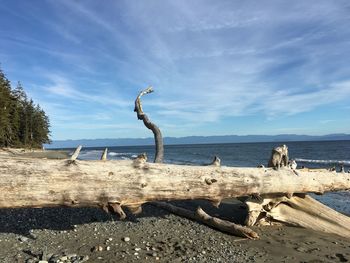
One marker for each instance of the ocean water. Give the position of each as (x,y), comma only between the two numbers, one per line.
(323,154)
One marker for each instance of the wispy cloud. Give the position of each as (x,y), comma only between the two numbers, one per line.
(286,103)
(63,87)
(210,63)
(327,121)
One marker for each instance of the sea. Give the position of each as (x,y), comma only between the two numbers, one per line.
(311,154)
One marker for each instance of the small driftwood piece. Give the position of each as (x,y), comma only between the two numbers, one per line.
(74,156)
(214,222)
(104,155)
(216,161)
(114,208)
(76,153)
(150,125)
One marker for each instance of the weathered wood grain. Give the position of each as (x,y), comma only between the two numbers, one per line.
(41,183)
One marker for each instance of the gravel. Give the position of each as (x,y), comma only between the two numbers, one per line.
(78,235)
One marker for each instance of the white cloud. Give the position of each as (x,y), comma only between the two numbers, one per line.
(286,103)
(63,87)
(207,60)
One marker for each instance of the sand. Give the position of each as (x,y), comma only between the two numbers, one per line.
(156,236)
(34,153)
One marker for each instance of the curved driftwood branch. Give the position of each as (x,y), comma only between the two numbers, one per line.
(150,125)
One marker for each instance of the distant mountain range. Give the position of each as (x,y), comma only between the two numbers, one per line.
(197,140)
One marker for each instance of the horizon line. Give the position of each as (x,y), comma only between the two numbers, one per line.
(187,136)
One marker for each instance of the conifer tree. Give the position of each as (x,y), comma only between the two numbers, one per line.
(16,111)
(22,122)
(5,102)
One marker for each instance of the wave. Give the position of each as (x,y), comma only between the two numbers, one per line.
(96,155)
(119,154)
(345,162)
(90,155)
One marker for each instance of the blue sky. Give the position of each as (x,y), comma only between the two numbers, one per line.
(217,67)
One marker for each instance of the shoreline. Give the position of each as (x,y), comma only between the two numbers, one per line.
(151,143)
(34,153)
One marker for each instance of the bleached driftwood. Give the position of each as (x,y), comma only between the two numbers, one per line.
(104,155)
(39,182)
(158,139)
(299,210)
(203,217)
(76,153)
(111,185)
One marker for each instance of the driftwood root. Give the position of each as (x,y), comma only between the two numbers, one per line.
(298,210)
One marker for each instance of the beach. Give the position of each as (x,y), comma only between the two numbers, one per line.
(34,153)
(90,235)
(30,235)
(238,108)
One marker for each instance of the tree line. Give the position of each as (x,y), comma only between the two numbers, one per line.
(22,122)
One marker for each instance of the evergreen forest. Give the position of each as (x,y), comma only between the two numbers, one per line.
(22,122)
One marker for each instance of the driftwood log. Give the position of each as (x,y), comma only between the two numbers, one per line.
(111,185)
(115,184)
(28,182)
(203,217)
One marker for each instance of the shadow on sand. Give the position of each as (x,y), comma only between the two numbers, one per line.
(21,221)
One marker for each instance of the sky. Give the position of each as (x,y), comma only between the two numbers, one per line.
(217,67)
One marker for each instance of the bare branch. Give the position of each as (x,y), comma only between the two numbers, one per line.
(154,128)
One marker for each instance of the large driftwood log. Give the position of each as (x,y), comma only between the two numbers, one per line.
(39,183)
